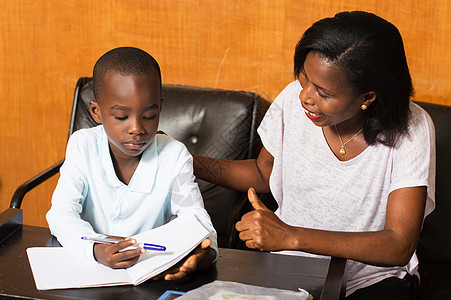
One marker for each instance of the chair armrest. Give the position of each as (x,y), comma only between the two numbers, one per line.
(10,220)
(20,192)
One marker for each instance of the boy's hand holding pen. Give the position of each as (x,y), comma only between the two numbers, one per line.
(119,253)
(114,240)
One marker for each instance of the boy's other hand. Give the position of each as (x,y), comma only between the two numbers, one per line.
(111,255)
(199,259)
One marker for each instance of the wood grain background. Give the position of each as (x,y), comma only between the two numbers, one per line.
(46,45)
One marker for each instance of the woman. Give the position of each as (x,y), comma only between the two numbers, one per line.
(348,157)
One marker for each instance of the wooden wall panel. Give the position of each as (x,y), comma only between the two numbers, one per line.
(248,45)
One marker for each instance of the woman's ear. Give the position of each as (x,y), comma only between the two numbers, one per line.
(368,98)
(94,109)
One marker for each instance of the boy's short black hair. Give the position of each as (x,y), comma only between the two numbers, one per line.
(125,61)
(370,50)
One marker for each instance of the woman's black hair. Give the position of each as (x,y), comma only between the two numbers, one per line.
(370,51)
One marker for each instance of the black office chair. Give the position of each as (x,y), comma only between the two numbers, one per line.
(211,122)
(434,246)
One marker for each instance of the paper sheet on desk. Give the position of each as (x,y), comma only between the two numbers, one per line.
(219,290)
(58,268)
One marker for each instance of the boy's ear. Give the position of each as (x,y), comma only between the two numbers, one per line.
(161,103)
(94,109)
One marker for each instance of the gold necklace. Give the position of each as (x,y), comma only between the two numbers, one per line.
(342,150)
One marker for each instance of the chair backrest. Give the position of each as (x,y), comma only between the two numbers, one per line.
(211,122)
(435,241)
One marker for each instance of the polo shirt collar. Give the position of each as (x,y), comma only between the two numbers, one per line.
(143,179)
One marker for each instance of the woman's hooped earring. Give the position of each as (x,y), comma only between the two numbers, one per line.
(363,107)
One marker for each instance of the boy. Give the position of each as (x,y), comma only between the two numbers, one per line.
(122,178)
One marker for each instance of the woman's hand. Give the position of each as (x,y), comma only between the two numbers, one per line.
(199,259)
(111,255)
(261,229)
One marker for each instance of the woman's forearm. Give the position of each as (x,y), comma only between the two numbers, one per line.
(261,229)
(394,245)
(238,175)
(381,248)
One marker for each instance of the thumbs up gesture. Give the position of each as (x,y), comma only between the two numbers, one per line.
(261,229)
(255,201)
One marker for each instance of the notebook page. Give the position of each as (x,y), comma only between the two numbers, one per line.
(180,236)
(58,268)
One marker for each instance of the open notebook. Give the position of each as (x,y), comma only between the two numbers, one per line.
(58,268)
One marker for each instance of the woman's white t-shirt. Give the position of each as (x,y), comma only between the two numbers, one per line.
(314,189)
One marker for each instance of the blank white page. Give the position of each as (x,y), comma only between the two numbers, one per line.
(58,268)
(180,236)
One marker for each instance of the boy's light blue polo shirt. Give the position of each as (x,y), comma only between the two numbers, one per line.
(90,200)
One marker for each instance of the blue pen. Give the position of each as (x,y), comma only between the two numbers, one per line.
(154,247)
(106,240)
